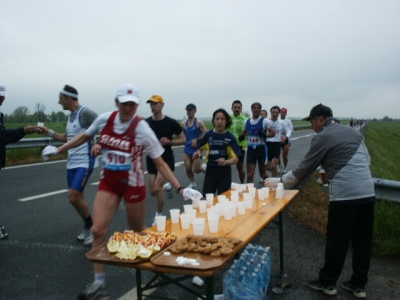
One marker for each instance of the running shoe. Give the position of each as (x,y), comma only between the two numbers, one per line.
(82,236)
(284,171)
(192,185)
(88,238)
(168,188)
(359,292)
(328,289)
(1,228)
(3,235)
(94,291)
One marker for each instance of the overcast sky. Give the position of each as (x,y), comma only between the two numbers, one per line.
(294,54)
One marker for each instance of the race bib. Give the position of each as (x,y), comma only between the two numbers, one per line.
(117,160)
(254,141)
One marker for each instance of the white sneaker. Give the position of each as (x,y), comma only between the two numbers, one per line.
(192,185)
(204,167)
(82,236)
(88,239)
(168,188)
(284,171)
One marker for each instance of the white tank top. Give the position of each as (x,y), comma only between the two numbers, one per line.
(79,157)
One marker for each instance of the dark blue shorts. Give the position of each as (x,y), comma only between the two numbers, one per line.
(78,177)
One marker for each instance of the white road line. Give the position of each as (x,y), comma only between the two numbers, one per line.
(42,195)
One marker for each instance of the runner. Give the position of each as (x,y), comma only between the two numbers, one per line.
(274,143)
(165,128)
(80,163)
(222,151)
(237,127)
(287,143)
(255,130)
(194,130)
(124,137)
(264,114)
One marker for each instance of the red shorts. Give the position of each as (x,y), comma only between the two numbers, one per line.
(116,182)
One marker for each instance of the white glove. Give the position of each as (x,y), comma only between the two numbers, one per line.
(272,182)
(191,194)
(49,150)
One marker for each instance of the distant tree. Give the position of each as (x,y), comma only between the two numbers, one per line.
(20,115)
(39,114)
(246,114)
(387,119)
(61,116)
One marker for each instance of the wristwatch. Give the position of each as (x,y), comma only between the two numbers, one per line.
(179,189)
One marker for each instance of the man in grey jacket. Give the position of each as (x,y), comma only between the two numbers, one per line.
(342,153)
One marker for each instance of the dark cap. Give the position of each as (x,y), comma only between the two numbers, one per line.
(190,106)
(319,110)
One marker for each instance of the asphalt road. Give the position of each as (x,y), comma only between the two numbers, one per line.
(41,259)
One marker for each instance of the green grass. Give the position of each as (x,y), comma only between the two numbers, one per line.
(383,143)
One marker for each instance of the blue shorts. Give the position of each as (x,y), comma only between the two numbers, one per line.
(78,177)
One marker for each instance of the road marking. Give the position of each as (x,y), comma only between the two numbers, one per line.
(42,195)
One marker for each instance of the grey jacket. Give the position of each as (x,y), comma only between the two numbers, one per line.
(341,151)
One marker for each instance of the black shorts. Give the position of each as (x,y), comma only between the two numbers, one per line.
(274,150)
(241,157)
(285,143)
(256,155)
(168,158)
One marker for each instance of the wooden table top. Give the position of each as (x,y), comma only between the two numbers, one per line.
(244,227)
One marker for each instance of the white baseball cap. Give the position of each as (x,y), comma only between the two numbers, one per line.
(128,92)
(3,91)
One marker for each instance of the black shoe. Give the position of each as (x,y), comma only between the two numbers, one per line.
(359,292)
(328,289)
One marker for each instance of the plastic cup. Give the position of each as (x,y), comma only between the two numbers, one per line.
(227,212)
(266,192)
(203,206)
(210,199)
(213,221)
(187,207)
(175,215)
(252,192)
(222,198)
(198,226)
(233,208)
(250,185)
(195,202)
(261,194)
(185,221)
(249,202)
(161,220)
(234,193)
(241,208)
(234,198)
(212,210)
(192,214)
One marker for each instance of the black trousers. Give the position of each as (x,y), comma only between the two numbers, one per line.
(217,180)
(345,223)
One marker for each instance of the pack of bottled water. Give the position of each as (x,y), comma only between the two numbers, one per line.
(249,276)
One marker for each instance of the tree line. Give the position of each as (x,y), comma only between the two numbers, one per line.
(23,115)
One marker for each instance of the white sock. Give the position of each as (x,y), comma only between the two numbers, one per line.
(100,278)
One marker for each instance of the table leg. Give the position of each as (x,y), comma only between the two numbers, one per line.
(281,242)
(139,284)
(210,288)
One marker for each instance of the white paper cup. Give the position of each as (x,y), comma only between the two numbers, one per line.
(161,220)
(185,221)
(210,199)
(192,213)
(261,194)
(212,210)
(234,198)
(175,215)
(252,192)
(187,207)
(249,202)
(250,185)
(234,193)
(222,198)
(198,226)
(213,221)
(203,206)
(241,208)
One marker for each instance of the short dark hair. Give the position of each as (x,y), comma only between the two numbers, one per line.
(275,107)
(226,115)
(256,103)
(237,102)
(319,110)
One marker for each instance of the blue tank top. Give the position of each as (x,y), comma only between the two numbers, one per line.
(254,133)
(191,133)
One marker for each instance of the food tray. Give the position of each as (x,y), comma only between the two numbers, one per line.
(205,261)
